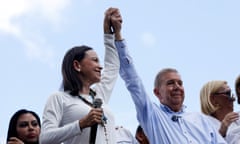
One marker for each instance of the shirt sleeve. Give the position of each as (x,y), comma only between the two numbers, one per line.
(51,132)
(133,83)
(110,71)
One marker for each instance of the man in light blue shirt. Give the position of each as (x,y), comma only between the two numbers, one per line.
(167,123)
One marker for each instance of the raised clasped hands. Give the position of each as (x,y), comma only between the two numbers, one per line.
(113,22)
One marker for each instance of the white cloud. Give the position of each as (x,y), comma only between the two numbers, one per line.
(51,9)
(9,10)
(12,13)
(38,50)
(148,39)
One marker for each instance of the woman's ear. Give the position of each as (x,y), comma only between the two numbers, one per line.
(76,65)
(213,100)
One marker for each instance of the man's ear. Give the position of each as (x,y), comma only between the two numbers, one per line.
(76,65)
(156,91)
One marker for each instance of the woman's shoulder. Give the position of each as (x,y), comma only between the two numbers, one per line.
(59,95)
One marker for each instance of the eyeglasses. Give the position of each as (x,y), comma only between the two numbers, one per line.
(226,93)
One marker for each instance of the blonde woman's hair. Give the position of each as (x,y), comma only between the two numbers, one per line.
(207,90)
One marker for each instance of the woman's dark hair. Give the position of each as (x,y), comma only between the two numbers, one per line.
(12,129)
(71,81)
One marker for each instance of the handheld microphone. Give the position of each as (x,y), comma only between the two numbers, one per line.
(97,103)
(175,118)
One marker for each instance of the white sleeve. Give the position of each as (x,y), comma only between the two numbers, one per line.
(51,132)
(110,71)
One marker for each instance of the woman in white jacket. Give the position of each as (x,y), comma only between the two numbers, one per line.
(69,115)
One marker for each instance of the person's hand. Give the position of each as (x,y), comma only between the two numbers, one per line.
(14,140)
(227,120)
(93,117)
(107,26)
(116,20)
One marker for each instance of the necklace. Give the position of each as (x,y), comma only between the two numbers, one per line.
(104,119)
(86,101)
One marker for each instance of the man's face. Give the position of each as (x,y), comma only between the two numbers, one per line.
(171,91)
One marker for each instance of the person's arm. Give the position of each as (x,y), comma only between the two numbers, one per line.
(111,60)
(51,132)
(226,122)
(128,73)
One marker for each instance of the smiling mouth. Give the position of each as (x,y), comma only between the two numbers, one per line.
(99,73)
(176,94)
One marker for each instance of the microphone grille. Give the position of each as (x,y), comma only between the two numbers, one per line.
(97,103)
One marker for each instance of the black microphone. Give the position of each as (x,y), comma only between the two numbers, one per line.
(175,118)
(97,103)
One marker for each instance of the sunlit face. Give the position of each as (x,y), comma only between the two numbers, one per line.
(171,91)
(90,68)
(28,128)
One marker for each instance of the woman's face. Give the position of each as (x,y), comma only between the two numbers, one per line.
(90,68)
(223,98)
(28,128)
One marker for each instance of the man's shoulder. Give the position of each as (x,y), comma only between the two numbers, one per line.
(196,117)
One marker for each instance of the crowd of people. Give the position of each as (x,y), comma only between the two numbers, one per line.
(79,113)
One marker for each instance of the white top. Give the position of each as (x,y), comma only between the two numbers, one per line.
(124,136)
(233,132)
(62,111)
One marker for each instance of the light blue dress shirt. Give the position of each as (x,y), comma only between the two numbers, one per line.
(160,123)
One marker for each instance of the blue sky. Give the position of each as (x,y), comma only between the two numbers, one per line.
(200,38)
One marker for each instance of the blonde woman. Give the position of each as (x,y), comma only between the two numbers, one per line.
(217,102)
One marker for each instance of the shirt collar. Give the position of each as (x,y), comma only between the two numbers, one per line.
(168,110)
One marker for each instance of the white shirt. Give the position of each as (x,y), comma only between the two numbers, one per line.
(62,111)
(233,132)
(124,136)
